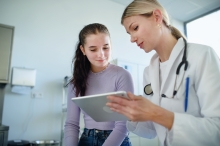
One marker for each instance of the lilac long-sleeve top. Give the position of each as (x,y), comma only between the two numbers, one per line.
(113,78)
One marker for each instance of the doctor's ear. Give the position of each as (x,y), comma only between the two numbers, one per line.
(82,49)
(158,17)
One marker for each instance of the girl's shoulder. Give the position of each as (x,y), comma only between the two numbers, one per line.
(118,69)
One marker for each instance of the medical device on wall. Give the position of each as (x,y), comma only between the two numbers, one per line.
(66,82)
(23,79)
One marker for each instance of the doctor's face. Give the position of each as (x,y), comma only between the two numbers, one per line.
(97,49)
(144,31)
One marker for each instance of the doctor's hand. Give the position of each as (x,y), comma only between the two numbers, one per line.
(138,108)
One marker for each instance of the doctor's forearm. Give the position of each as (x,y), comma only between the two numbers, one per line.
(163,117)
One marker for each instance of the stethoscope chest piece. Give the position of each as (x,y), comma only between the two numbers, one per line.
(148,90)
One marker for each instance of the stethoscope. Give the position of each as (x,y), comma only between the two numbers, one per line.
(148,90)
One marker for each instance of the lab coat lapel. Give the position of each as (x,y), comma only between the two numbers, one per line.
(168,83)
(154,78)
(155,85)
(170,73)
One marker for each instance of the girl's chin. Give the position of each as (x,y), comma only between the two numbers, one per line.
(102,64)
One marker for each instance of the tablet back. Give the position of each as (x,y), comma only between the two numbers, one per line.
(95,106)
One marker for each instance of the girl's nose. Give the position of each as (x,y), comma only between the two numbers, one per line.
(101,52)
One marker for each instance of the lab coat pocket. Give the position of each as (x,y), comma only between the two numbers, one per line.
(177,104)
(172,104)
(193,106)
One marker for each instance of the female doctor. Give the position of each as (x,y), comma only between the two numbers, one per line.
(181,103)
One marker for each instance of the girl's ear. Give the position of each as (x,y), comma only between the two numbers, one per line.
(82,49)
(158,16)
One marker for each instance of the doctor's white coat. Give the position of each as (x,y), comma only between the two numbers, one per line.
(200,125)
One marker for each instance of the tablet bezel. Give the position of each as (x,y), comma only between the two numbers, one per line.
(98,101)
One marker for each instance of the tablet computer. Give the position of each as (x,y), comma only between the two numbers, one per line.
(95,106)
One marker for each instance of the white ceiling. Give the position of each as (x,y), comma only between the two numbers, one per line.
(184,10)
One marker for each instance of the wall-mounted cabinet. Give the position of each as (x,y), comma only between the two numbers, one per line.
(6,41)
(4,135)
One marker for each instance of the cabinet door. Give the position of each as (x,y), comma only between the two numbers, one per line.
(6,37)
(1,138)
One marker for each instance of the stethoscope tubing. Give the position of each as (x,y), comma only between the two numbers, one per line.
(183,62)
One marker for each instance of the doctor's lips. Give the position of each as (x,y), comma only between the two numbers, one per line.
(140,45)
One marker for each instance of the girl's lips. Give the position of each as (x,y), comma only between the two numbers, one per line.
(100,60)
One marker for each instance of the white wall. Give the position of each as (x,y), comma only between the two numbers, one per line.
(45,35)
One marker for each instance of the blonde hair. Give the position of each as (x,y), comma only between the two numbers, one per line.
(146,8)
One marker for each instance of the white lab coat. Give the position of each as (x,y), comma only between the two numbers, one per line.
(200,125)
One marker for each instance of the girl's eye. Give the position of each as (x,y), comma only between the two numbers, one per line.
(105,48)
(92,50)
(136,28)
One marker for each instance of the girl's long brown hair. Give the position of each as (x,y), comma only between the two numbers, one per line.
(81,63)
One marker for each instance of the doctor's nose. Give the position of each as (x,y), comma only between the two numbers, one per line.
(133,39)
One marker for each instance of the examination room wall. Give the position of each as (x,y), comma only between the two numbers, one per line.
(46,32)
